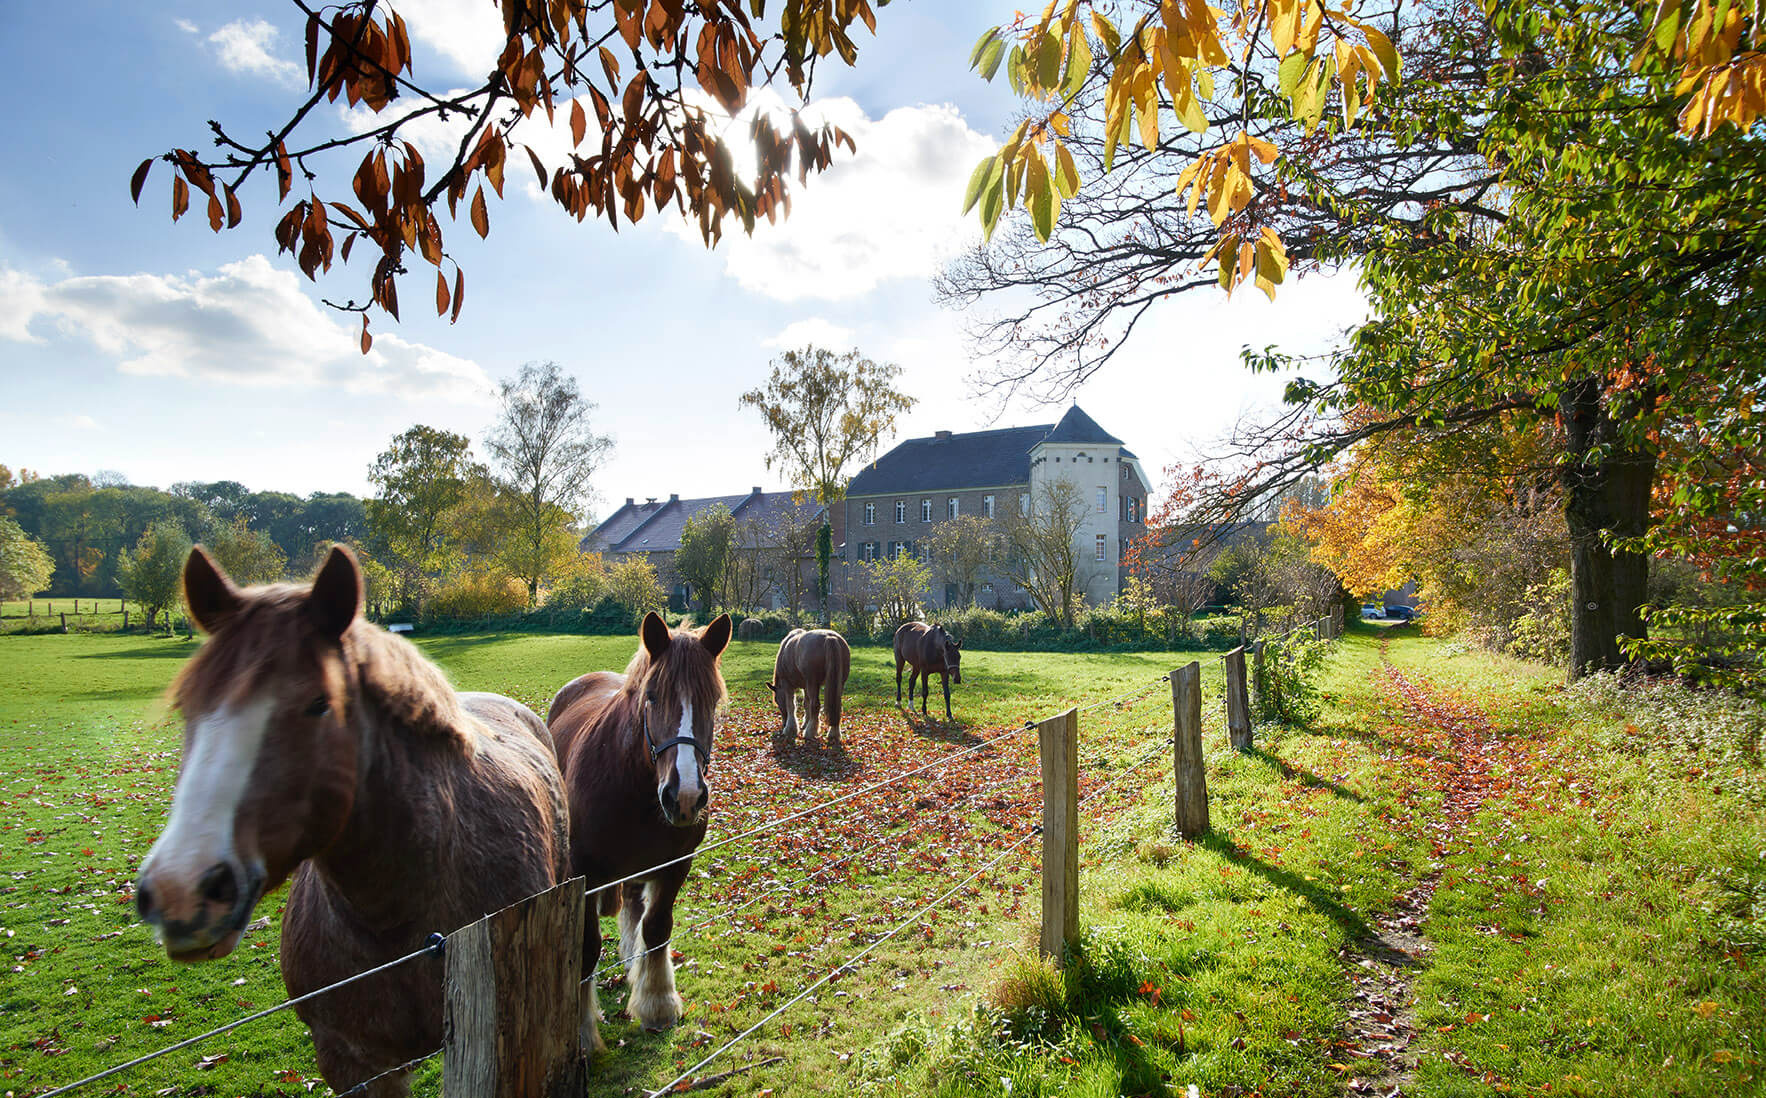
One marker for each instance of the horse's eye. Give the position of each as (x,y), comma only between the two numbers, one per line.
(318,707)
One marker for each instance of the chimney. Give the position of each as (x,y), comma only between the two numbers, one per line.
(942,436)
(628,501)
(674,497)
(755,490)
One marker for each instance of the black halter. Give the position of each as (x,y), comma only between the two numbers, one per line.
(657,749)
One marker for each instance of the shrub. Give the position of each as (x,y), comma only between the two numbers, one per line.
(581,588)
(468,595)
(1543,632)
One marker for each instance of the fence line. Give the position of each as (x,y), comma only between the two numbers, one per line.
(434,945)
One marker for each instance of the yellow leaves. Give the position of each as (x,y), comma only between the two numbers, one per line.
(1223,176)
(1726,79)
(1705,1009)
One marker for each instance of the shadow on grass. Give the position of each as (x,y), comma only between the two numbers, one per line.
(1322,901)
(181,649)
(1305,777)
(816,760)
(955,733)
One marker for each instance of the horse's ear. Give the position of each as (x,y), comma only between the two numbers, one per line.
(955,643)
(336,598)
(654,631)
(209,595)
(716,636)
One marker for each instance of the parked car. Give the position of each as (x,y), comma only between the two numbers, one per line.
(1400,613)
(1370,611)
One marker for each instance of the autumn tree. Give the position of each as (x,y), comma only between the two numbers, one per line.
(751,569)
(960,550)
(632,583)
(152,574)
(825,412)
(422,478)
(900,585)
(25,566)
(645,92)
(544,452)
(246,554)
(704,554)
(790,540)
(1042,548)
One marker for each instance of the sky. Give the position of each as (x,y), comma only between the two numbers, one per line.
(166,352)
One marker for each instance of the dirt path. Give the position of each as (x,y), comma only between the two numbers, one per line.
(1381,966)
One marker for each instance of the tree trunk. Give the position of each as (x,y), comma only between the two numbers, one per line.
(824,550)
(1606,495)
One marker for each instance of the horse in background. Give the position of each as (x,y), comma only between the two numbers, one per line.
(320,746)
(927,650)
(815,661)
(636,749)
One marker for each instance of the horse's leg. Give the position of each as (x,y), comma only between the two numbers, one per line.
(631,912)
(655,1003)
(588,1030)
(834,685)
(786,700)
(898,662)
(812,698)
(948,719)
(925,690)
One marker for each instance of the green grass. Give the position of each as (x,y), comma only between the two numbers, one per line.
(1599,929)
(88,756)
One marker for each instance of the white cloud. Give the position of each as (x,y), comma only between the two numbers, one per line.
(21,297)
(893,210)
(822,333)
(244,46)
(84,423)
(185,25)
(467,33)
(247,324)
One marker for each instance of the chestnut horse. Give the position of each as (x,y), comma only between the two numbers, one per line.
(318,745)
(636,749)
(927,650)
(813,661)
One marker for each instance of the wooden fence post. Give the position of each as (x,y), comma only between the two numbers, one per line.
(125,617)
(1058,738)
(64,621)
(1238,701)
(1186,751)
(513,1000)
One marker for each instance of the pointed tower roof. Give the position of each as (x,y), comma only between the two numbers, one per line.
(1076,426)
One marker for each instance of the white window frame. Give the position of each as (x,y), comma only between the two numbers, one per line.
(1103,547)
(952,508)
(926,510)
(987,506)
(870,514)
(901,511)
(1103,501)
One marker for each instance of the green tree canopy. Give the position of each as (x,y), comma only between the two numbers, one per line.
(25,566)
(152,574)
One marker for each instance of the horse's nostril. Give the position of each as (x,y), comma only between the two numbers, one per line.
(219,885)
(704,796)
(143,900)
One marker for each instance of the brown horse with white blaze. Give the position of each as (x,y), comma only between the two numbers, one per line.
(320,747)
(636,750)
(927,650)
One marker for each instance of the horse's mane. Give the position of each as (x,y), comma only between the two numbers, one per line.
(685,668)
(271,633)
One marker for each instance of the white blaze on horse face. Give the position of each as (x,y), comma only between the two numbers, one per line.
(211,783)
(687,764)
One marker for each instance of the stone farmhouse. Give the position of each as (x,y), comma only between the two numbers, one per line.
(895,502)
(652,529)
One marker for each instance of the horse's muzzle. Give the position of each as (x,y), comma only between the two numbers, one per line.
(683,811)
(204,923)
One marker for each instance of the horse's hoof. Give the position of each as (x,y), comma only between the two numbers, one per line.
(834,742)
(658,1016)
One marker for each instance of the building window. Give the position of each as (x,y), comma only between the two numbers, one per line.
(870,514)
(950,507)
(1133,509)
(1125,472)
(1101,547)
(925,510)
(987,506)
(901,510)
(894,549)
(1023,503)
(1103,502)
(987,589)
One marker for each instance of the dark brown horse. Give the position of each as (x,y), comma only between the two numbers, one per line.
(318,745)
(817,662)
(927,650)
(636,748)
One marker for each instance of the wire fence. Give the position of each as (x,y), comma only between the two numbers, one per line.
(434,946)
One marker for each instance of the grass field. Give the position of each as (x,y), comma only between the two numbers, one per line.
(87,759)
(1595,921)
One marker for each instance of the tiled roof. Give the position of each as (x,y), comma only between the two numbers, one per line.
(1076,426)
(973,459)
(654,527)
(981,459)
